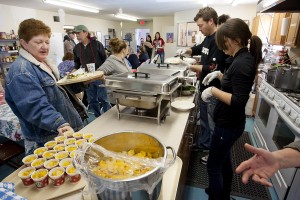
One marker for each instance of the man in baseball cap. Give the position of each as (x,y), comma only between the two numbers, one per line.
(80,28)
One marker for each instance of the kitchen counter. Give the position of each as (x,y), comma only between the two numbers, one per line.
(169,133)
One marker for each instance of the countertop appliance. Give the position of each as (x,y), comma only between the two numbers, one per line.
(277,6)
(144,95)
(277,123)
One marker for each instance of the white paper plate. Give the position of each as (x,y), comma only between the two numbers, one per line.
(182,105)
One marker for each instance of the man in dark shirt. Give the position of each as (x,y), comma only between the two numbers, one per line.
(89,50)
(211,59)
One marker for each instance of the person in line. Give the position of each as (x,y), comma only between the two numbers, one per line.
(222,19)
(232,37)
(133,59)
(264,164)
(116,63)
(69,43)
(211,59)
(143,55)
(148,46)
(43,108)
(67,64)
(89,50)
(158,45)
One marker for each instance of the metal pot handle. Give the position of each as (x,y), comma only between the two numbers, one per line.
(172,160)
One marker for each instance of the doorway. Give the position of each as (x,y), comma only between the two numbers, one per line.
(140,33)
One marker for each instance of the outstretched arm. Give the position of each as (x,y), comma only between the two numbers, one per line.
(264,164)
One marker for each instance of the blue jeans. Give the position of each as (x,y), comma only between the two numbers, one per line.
(162,56)
(206,122)
(219,165)
(95,95)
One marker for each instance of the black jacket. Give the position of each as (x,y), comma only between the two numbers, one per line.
(93,52)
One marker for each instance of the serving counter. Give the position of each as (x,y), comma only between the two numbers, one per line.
(170,133)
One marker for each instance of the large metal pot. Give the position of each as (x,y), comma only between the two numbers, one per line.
(287,78)
(125,141)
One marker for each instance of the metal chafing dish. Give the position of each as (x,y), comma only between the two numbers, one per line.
(144,95)
(179,70)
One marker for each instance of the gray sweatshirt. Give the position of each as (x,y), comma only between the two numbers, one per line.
(114,65)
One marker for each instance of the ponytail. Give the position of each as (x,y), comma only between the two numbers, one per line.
(255,49)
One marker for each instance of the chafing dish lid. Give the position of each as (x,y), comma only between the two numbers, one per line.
(139,81)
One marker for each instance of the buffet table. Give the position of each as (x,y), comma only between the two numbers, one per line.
(169,133)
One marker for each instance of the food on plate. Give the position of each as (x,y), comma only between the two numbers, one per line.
(177,60)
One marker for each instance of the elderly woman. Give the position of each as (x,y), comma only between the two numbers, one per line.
(116,63)
(42,107)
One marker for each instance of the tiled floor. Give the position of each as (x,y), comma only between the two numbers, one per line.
(190,193)
(194,193)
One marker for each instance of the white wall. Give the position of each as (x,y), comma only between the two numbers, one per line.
(164,25)
(245,12)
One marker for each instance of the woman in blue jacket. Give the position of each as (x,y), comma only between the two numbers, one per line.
(42,107)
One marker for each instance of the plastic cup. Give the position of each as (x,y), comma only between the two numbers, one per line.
(61,155)
(60,139)
(50,144)
(70,141)
(71,148)
(59,147)
(25,175)
(87,135)
(68,134)
(91,140)
(49,154)
(77,136)
(73,174)
(57,175)
(39,151)
(29,159)
(38,163)
(40,178)
(72,154)
(80,142)
(91,67)
(66,162)
(50,164)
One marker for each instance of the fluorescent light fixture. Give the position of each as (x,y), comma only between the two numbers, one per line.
(268,3)
(68,27)
(163,1)
(69,4)
(127,17)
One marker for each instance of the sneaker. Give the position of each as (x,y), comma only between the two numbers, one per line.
(204,159)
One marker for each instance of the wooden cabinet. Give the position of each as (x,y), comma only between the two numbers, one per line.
(275,37)
(255,25)
(293,36)
(186,143)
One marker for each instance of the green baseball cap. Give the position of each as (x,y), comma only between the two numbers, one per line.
(81,28)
